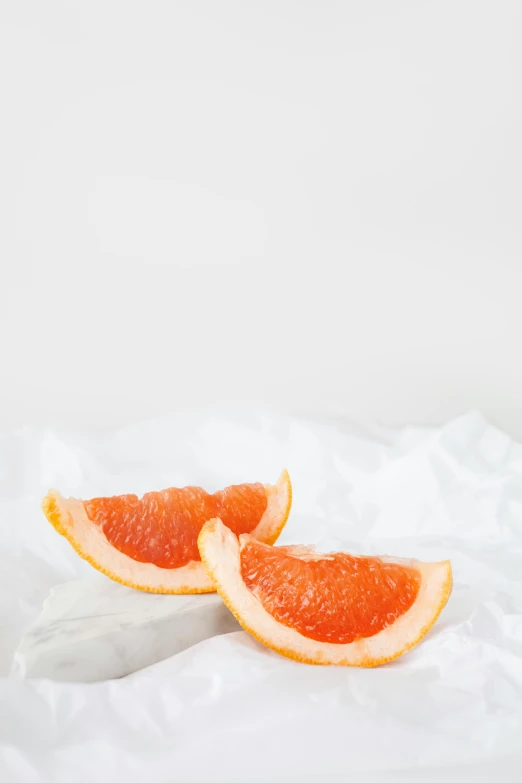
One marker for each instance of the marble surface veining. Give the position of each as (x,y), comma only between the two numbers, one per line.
(91,630)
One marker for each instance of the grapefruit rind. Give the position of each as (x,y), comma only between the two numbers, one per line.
(275,517)
(69,518)
(220,553)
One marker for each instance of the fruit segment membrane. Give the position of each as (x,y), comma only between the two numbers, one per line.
(162,527)
(336,598)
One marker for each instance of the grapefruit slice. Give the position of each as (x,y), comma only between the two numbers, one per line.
(324,609)
(151,543)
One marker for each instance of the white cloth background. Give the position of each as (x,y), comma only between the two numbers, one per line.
(228,708)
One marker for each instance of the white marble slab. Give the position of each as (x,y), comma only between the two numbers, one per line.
(93,630)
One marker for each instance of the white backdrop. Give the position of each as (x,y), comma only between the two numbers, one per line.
(313,204)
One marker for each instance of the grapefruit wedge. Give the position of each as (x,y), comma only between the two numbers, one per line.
(324,609)
(150,543)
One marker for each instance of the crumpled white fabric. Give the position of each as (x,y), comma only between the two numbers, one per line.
(228,708)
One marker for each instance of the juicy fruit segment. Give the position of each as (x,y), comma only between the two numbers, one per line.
(163,527)
(336,598)
(337,609)
(151,544)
